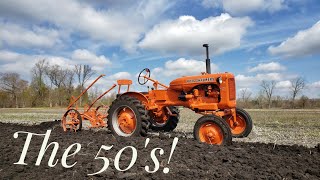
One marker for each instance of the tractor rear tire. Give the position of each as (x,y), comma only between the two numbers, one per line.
(212,129)
(170,124)
(127,116)
(244,127)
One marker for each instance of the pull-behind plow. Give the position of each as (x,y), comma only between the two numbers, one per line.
(72,119)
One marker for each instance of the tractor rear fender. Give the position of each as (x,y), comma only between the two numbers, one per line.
(137,95)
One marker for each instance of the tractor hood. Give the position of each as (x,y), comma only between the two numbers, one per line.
(186,83)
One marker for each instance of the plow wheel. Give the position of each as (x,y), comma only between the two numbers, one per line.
(242,125)
(128,117)
(170,124)
(212,130)
(72,120)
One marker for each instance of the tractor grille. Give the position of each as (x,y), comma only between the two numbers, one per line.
(232,89)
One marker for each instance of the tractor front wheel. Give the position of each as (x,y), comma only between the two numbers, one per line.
(170,124)
(212,129)
(242,125)
(72,120)
(127,116)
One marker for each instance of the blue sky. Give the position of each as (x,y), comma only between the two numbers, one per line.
(254,39)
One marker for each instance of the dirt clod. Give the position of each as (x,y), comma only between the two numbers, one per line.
(50,124)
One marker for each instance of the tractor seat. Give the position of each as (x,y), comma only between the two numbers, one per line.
(124,82)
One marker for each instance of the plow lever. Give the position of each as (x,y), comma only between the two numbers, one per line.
(71,104)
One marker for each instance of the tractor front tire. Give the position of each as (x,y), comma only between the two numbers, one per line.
(127,116)
(212,129)
(243,126)
(170,124)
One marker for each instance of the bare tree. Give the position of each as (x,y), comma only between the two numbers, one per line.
(39,70)
(12,84)
(278,101)
(83,74)
(69,78)
(259,100)
(56,75)
(38,85)
(62,79)
(297,85)
(268,89)
(245,95)
(303,101)
(68,81)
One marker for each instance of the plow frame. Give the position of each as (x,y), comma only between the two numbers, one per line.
(96,118)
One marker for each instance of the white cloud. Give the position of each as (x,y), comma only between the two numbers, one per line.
(15,62)
(249,90)
(187,34)
(182,67)
(23,63)
(120,25)
(173,69)
(108,80)
(17,36)
(8,56)
(283,84)
(58,60)
(315,85)
(244,81)
(83,56)
(240,7)
(312,90)
(247,6)
(305,42)
(272,66)
(120,75)
(270,76)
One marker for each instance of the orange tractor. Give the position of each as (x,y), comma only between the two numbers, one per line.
(212,95)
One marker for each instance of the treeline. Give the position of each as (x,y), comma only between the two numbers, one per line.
(53,86)
(261,102)
(266,97)
(50,86)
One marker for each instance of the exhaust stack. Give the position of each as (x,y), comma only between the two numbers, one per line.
(208,64)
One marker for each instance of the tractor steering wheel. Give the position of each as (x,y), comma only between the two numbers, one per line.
(144,73)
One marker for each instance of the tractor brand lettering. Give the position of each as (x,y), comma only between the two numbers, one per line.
(200,80)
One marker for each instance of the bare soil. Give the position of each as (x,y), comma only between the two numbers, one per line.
(190,160)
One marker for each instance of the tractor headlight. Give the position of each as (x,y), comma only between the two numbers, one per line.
(219,80)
